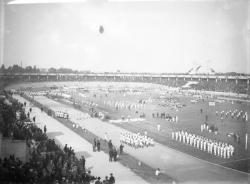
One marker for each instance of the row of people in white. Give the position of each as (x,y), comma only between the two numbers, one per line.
(166,116)
(124,105)
(91,103)
(48,92)
(136,140)
(214,147)
(236,113)
(206,127)
(36,93)
(61,114)
(173,119)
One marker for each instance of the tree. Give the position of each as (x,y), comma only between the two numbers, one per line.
(16,69)
(52,70)
(2,69)
(34,69)
(65,70)
(28,69)
(9,69)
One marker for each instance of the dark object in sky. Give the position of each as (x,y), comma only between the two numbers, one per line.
(101,29)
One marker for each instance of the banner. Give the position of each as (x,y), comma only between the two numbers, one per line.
(211,103)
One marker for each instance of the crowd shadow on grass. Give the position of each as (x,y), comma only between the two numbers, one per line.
(54,134)
(79,154)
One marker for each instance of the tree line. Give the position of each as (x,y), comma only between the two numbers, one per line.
(19,69)
(29,69)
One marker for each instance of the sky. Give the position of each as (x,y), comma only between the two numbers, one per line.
(139,36)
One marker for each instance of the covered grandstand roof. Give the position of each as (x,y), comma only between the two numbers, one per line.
(200,69)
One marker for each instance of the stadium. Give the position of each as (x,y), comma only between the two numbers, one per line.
(60,125)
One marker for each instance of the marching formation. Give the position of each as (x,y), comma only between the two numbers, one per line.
(136,140)
(234,114)
(60,93)
(166,116)
(61,114)
(36,93)
(216,148)
(124,105)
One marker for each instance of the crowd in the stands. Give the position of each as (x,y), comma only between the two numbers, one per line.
(47,163)
(223,86)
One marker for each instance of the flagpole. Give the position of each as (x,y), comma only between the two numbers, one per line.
(246,141)
(2,19)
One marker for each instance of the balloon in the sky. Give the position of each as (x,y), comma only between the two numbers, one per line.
(101,29)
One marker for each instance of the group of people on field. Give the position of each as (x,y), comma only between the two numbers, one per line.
(113,152)
(217,148)
(61,114)
(205,127)
(165,116)
(136,140)
(124,105)
(234,114)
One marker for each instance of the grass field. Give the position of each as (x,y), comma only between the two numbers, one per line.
(190,117)
(142,170)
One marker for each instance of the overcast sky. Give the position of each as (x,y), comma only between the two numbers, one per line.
(138,36)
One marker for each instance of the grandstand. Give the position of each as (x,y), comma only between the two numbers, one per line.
(206,82)
(205,70)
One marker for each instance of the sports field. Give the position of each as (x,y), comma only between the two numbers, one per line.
(159,99)
(190,119)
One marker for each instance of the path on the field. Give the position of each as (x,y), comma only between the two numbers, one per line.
(98,162)
(179,166)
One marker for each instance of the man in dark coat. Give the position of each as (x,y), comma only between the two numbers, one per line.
(115,154)
(106,181)
(98,144)
(111,179)
(94,145)
(110,145)
(98,181)
(121,149)
(83,162)
(110,155)
(45,129)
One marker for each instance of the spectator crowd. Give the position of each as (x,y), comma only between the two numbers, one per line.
(47,163)
(233,114)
